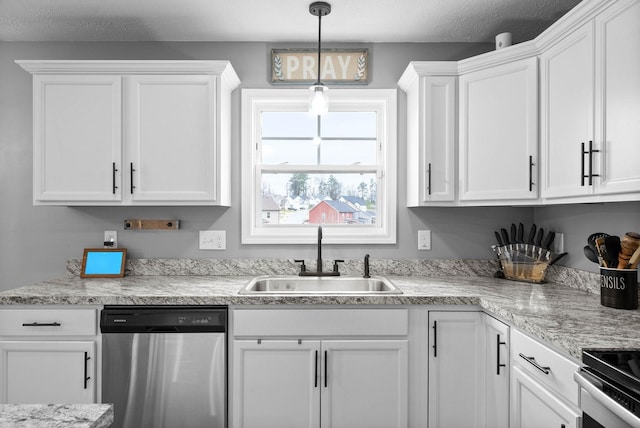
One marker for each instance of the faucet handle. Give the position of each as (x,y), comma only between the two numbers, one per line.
(303,267)
(335,265)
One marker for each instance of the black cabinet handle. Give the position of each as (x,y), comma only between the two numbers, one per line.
(429,179)
(86,369)
(498,364)
(534,363)
(316,372)
(326,358)
(591,152)
(113,177)
(131,171)
(43,324)
(582,176)
(531,173)
(435,339)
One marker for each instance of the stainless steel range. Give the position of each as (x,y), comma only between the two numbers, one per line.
(610,388)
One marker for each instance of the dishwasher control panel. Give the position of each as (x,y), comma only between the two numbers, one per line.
(163,319)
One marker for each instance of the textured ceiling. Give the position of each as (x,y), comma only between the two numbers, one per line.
(276,20)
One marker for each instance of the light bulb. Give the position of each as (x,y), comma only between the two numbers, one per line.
(319,103)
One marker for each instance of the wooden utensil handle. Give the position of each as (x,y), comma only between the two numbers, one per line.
(629,244)
(635,259)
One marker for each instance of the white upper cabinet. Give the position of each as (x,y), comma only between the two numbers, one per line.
(431,132)
(618,97)
(499,132)
(77,138)
(567,114)
(590,104)
(170,134)
(132,132)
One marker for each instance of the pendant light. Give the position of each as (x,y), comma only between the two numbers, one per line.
(318,103)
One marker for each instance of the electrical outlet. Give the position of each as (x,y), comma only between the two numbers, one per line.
(213,240)
(558,243)
(424,240)
(110,239)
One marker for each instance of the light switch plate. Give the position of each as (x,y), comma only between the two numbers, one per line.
(213,240)
(424,240)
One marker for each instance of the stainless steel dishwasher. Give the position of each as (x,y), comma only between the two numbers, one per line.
(165,366)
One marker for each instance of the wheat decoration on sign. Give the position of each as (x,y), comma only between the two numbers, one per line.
(277,67)
(362,66)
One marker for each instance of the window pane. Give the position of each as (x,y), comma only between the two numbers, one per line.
(327,152)
(349,124)
(289,124)
(350,152)
(318,199)
(298,152)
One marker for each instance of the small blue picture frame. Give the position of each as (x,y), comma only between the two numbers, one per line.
(103,263)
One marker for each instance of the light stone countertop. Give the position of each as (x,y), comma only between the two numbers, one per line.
(567,318)
(56,415)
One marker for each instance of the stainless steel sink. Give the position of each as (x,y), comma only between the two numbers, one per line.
(319,285)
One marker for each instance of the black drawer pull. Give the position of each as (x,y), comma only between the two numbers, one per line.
(532,361)
(43,324)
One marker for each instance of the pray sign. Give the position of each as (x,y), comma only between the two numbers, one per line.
(336,66)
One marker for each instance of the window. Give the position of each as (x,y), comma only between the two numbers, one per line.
(337,170)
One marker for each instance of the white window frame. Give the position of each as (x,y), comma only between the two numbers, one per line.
(383,101)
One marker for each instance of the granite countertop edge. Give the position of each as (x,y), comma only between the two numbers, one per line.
(567,318)
(56,415)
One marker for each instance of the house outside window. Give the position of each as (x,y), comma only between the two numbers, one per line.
(337,170)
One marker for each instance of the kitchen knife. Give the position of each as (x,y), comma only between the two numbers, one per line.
(514,237)
(546,244)
(505,236)
(557,257)
(532,234)
(520,233)
(548,240)
(499,239)
(538,243)
(539,237)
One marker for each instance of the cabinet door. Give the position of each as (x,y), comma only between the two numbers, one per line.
(47,372)
(499,132)
(567,114)
(365,384)
(532,406)
(170,135)
(77,138)
(276,384)
(497,372)
(437,127)
(618,97)
(456,369)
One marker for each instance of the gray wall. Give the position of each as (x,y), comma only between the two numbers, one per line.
(36,241)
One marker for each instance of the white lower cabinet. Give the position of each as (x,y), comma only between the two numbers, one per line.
(497,367)
(48,355)
(543,392)
(534,406)
(47,372)
(276,384)
(320,381)
(456,369)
